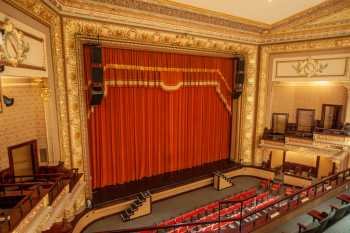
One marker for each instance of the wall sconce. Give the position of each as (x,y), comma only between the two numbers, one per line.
(8,101)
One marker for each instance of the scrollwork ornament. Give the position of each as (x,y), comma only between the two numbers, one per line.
(309,67)
(14,49)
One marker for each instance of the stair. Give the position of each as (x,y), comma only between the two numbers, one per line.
(221,181)
(141,206)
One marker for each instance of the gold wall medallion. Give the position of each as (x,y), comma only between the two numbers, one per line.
(309,67)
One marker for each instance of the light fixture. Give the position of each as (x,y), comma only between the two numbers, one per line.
(269,1)
(8,101)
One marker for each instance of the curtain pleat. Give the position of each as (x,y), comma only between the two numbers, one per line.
(140,130)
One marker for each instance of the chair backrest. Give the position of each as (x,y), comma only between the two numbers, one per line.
(347,208)
(341,212)
(324,223)
(313,228)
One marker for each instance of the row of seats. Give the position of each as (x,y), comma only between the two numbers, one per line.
(335,214)
(231,211)
(206,210)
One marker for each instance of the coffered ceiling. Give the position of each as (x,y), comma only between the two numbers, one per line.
(265,11)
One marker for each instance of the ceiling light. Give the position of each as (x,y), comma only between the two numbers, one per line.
(269,1)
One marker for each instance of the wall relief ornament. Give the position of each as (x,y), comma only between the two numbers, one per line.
(14,49)
(309,67)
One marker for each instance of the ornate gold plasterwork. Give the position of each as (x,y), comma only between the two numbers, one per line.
(75,29)
(41,12)
(265,75)
(296,27)
(309,67)
(14,49)
(317,12)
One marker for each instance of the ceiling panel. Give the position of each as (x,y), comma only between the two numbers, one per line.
(266,11)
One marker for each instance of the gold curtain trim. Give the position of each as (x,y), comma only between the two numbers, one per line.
(166,69)
(122,83)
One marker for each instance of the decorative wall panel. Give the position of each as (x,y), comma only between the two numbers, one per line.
(24,49)
(312,68)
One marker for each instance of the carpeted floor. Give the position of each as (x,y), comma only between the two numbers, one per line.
(175,206)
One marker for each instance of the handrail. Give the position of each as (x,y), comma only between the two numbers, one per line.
(241,217)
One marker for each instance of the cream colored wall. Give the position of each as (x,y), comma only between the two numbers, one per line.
(276,158)
(53,144)
(296,181)
(288,98)
(305,159)
(22,122)
(326,166)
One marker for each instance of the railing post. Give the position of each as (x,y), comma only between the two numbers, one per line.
(240,219)
(219,215)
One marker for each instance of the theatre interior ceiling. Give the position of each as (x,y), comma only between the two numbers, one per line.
(237,20)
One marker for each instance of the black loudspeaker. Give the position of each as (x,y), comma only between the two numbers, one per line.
(96,55)
(97,75)
(97,82)
(96,97)
(239,80)
(2,68)
(97,87)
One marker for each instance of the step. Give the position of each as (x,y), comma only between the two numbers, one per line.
(124,217)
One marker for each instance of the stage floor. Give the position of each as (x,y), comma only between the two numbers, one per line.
(158,183)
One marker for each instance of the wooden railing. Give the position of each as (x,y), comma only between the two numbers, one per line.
(31,190)
(281,206)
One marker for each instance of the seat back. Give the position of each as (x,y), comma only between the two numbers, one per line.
(312,228)
(347,208)
(339,213)
(325,222)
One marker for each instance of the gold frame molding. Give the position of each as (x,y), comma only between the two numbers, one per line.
(75,31)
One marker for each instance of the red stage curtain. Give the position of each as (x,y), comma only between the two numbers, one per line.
(142,130)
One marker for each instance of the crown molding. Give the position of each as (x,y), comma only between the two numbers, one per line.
(167,15)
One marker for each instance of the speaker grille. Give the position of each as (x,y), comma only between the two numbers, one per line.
(96,55)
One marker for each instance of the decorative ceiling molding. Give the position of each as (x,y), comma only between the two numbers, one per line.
(321,10)
(317,22)
(185,22)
